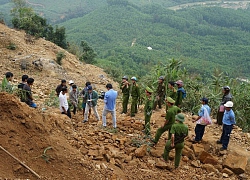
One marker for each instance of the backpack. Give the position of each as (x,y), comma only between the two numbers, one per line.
(184,94)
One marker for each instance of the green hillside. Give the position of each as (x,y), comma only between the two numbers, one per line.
(203,38)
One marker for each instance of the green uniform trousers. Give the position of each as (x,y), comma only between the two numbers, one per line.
(158,102)
(134,106)
(178,150)
(125,99)
(147,124)
(161,130)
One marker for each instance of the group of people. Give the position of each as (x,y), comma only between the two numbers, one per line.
(24,88)
(174,119)
(89,101)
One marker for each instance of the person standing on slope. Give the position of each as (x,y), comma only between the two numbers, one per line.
(227,96)
(109,105)
(125,87)
(181,93)
(160,93)
(135,93)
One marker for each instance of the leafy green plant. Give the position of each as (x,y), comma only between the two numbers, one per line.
(52,101)
(59,56)
(11,46)
(45,156)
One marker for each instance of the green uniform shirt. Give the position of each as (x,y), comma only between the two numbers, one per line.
(135,91)
(170,116)
(148,106)
(161,90)
(179,128)
(125,89)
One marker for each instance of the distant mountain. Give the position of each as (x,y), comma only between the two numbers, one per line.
(204,38)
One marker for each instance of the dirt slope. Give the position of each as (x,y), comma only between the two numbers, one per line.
(74,150)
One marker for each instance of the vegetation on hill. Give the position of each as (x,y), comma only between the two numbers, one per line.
(203,38)
(26,19)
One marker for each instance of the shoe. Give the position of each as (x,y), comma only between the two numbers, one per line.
(222,149)
(218,142)
(84,121)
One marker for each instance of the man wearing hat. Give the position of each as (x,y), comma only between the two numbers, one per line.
(160,93)
(135,93)
(228,122)
(200,125)
(148,109)
(125,87)
(170,119)
(91,97)
(227,96)
(181,93)
(178,132)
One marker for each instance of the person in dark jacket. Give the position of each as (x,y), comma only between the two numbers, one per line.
(181,93)
(60,86)
(227,96)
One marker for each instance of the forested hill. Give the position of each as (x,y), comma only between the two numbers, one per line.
(204,38)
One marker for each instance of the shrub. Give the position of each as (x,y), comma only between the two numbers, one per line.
(60,55)
(11,46)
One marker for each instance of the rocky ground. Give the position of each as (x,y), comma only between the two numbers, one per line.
(56,147)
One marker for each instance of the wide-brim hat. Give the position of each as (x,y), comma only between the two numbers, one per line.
(170,100)
(180,117)
(148,89)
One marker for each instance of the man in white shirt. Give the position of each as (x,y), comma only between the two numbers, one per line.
(63,103)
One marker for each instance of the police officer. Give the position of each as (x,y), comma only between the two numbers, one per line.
(170,119)
(135,93)
(148,109)
(160,92)
(125,87)
(179,131)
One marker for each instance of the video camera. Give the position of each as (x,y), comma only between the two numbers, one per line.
(101,96)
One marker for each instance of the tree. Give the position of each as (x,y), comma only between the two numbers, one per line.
(88,55)
(25,18)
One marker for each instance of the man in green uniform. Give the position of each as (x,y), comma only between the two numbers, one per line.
(170,119)
(135,93)
(148,109)
(160,93)
(179,131)
(125,87)
(181,93)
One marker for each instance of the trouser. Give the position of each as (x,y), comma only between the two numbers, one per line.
(225,136)
(74,109)
(147,124)
(83,109)
(68,113)
(178,151)
(87,108)
(161,130)
(104,114)
(199,132)
(219,117)
(158,102)
(125,99)
(134,106)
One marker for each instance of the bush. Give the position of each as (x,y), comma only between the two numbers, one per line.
(11,46)
(59,56)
